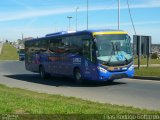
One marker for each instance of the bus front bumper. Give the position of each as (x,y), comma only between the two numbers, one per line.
(129,73)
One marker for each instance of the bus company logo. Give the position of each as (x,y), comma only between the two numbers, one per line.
(76,60)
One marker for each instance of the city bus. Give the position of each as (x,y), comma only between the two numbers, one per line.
(97,55)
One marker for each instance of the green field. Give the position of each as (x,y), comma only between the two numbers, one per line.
(9,53)
(151,71)
(18,101)
(144,61)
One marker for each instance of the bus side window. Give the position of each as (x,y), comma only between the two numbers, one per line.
(55,45)
(43,46)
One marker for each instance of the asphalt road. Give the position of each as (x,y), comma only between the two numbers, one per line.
(130,92)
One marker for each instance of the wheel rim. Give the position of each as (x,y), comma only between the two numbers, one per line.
(41,73)
(78,76)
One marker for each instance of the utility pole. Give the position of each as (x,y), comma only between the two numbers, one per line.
(87,14)
(118,14)
(76,17)
(69,17)
(22,36)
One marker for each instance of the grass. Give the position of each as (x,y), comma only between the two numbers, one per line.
(151,71)
(144,61)
(9,53)
(19,101)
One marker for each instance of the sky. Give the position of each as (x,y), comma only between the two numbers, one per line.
(36,18)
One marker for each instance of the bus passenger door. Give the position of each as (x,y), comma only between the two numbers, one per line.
(87,64)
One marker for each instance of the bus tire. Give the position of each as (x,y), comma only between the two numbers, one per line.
(42,72)
(78,76)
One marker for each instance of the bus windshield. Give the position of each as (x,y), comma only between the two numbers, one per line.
(114,49)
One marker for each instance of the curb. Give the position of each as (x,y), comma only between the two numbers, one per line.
(9,60)
(147,78)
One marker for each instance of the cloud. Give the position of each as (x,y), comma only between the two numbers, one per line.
(145,4)
(20,3)
(111,25)
(33,13)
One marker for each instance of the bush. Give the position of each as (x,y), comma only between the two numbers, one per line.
(154,56)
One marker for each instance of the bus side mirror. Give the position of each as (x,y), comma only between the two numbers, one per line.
(129,38)
(95,40)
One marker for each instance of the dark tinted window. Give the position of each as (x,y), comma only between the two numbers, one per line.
(73,44)
(43,45)
(55,45)
(86,48)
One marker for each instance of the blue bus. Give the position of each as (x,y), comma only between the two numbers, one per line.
(98,55)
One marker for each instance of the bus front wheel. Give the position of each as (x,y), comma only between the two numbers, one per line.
(78,76)
(42,72)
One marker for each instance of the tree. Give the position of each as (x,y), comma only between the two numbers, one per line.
(6,41)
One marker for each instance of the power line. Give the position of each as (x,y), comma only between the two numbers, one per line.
(118,13)
(131,17)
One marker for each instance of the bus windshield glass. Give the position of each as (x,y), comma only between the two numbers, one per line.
(114,49)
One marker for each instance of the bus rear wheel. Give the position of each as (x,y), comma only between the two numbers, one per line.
(42,72)
(78,76)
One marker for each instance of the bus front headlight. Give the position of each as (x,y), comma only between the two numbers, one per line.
(131,67)
(102,70)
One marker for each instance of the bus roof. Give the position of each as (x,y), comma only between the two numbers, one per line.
(90,32)
(105,31)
